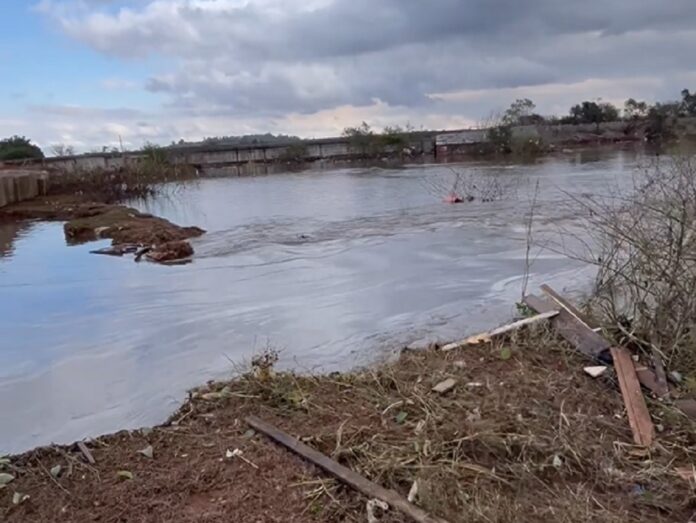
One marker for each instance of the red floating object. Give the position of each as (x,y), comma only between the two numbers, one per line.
(453,198)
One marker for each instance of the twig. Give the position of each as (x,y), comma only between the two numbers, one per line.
(86,452)
(530,223)
(48,473)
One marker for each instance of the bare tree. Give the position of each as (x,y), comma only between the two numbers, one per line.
(60,149)
(642,240)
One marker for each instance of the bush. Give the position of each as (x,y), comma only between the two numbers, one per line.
(527,147)
(370,143)
(500,138)
(644,245)
(143,178)
(294,153)
(19,148)
(662,119)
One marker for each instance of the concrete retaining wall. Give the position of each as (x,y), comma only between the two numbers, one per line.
(208,156)
(17,186)
(215,156)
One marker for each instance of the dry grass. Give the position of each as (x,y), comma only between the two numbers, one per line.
(524,436)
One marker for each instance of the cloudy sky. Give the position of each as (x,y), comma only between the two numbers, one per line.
(86,72)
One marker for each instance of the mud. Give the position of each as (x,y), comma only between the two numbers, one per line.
(126,227)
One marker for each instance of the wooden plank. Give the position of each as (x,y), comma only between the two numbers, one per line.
(584,339)
(560,300)
(358,482)
(590,343)
(487,337)
(636,408)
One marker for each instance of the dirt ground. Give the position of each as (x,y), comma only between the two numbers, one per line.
(87,221)
(524,435)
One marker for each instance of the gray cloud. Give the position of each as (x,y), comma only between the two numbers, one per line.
(270,58)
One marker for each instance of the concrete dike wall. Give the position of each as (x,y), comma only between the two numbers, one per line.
(248,159)
(20,185)
(206,157)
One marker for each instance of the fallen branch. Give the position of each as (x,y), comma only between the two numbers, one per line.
(358,482)
(487,337)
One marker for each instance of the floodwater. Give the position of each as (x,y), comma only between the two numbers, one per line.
(336,269)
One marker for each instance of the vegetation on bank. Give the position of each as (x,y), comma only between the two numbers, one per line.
(524,435)
(658,120)
(19,148)
(393,139)
(642,240)
(142,177)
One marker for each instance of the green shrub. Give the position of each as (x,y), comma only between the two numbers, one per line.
(19,148)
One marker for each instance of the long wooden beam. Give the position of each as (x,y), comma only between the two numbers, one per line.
(358,482)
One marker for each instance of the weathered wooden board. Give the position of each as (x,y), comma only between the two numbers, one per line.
(358,482)
(584,339)
(487,337)
(636,408)
(590,343)
(572,309)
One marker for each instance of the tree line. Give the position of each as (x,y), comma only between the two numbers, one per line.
(659,119)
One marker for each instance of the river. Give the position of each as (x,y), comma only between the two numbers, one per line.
(333,268)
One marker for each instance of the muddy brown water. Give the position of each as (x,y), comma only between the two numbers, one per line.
(336,269)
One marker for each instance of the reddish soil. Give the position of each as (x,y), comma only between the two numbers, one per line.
(88,221)
(524,436)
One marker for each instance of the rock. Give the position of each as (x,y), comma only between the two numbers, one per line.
(99,231)
(170,251)
(117,250)
(595,372)
(676,376)
(148,452)
(445,386)
(413,493)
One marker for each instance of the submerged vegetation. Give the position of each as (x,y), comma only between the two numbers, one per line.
(142,177)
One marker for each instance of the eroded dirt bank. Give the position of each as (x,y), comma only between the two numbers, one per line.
(131,231)
(524,435)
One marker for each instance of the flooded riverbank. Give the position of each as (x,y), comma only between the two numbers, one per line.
(335,268)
